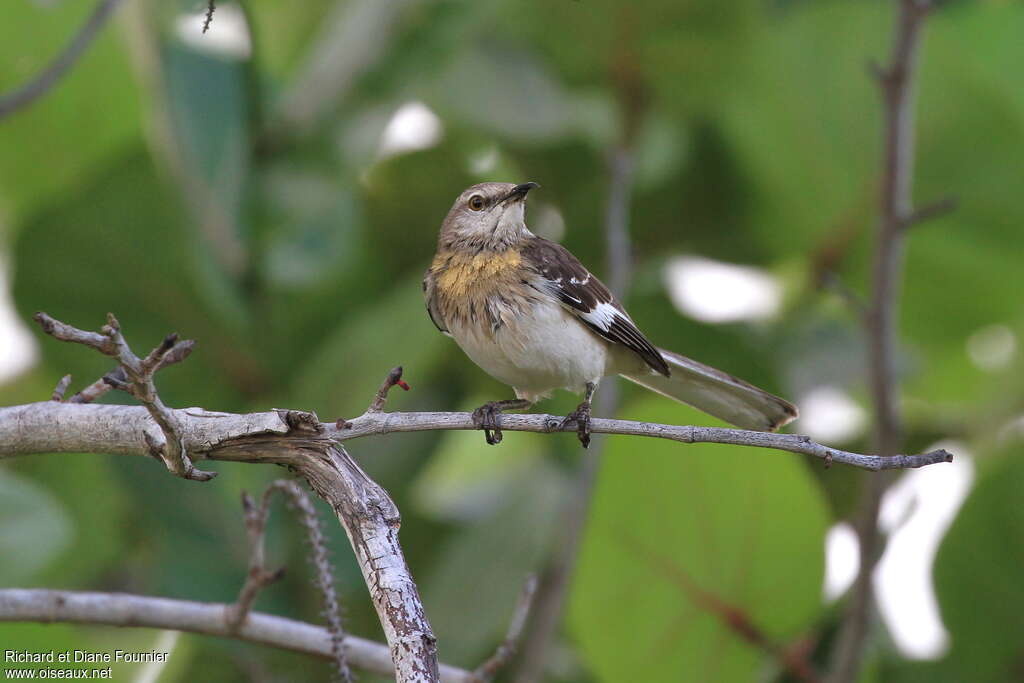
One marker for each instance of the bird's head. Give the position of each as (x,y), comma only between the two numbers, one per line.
(489,215)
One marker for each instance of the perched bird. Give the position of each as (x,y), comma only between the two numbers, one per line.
(526,311)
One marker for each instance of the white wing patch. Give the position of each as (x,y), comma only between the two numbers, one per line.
(563,276)
(602,316)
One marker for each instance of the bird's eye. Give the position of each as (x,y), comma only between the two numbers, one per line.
(476,202)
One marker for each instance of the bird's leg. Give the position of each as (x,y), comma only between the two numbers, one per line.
(488,416)
(581,416)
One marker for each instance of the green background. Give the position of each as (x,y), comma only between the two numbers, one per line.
(243,205)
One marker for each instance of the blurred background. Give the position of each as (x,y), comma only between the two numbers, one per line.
(273,188)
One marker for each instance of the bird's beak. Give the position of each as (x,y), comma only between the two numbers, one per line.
(519,191)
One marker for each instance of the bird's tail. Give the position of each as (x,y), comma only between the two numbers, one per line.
(718,394)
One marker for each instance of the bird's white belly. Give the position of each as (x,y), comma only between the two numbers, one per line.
(539,349)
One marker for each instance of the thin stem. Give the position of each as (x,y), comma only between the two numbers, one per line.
(507,649)
(897,85)
(29,92)
(259,577)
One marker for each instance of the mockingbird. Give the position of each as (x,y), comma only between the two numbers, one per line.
(526,311)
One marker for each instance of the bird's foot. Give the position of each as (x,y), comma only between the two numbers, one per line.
(488,417)
(581,416)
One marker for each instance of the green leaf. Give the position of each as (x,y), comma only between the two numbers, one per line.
(675,528)
(785,109)
(685,53)
(463,481)
(471,591)
(117,245)
(207,101)
(978,577)
(318,231)
(507,92)
(341,377)
(807,134)
(91,112)
(282,32)
(34,528)
(88,489)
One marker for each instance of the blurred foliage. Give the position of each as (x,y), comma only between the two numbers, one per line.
(985,543)
(674,566)
(243,201)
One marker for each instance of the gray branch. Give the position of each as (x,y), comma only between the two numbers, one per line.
(507,649)
(120,609)
(315,450)
(259,576)
(896,82)
(135,375)
(291,438)
(61,388)
(51,427)
(117,377)
(365,510)
(386,423)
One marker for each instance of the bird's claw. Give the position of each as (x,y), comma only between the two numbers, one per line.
(488,418)
(581,416)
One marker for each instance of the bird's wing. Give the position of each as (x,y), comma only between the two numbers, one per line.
(430,299)
(565,278)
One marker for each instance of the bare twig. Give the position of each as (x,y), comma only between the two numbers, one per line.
(117,376)
(897,86)
(507,649)
(210,7)
(120,609)
(167,444)
(256,580)
(62,386)
(100,387)
(259,577)
(371,424)
(929,212)
(55,70)
(394,378)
